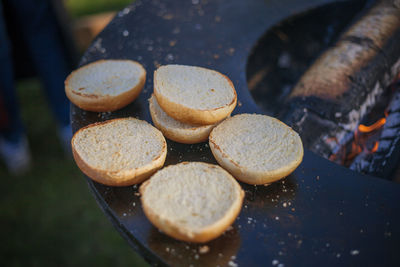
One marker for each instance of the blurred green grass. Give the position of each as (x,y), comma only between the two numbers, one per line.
(79,8)
(48,216)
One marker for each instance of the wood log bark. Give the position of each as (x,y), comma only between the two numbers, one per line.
(345,82)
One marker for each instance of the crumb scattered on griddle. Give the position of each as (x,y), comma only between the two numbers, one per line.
(204,249)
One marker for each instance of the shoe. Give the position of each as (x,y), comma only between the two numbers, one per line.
(16,156)
(65,136)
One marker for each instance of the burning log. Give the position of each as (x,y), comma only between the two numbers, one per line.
(345,82)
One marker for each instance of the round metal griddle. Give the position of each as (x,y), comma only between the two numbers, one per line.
(322,214)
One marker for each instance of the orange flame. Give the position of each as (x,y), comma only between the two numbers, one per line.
(375,148)
(359,144)
(366,129)
(363,138)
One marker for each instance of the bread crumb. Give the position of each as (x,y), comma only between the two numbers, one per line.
(125,11)
(230,51)
(176,30)
(172,42)
(168,16)
(354,252)
(232,264)
(204,249)
(169,57)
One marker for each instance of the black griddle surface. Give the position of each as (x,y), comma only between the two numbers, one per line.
(322,214)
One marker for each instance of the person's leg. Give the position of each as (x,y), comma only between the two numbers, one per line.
(43,38)
(45,47)
(11,125)
(13,143)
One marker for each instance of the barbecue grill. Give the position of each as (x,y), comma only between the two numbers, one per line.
(322,214)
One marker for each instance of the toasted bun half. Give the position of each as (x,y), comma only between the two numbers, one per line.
(105,85)
(256,149)
(194,95)
(193,202)
(119,152)
(175,130)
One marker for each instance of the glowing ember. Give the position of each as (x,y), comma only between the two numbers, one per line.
(377,125)
(364,141)
(375,148)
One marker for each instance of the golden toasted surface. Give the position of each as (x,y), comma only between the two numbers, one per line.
(175,130)
(192,201)
(194,87)
(105,85)
(119,149)
(256,148)
(194,95)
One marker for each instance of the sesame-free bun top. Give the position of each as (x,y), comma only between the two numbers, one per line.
(256,149)
(192,201)
(119,152)
(105,85)
(194,95)
(175,130)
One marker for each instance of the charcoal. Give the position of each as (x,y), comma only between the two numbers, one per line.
(361,163)
(386,159)
(383,165)
(388,134)
(391,123)
(384,146)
